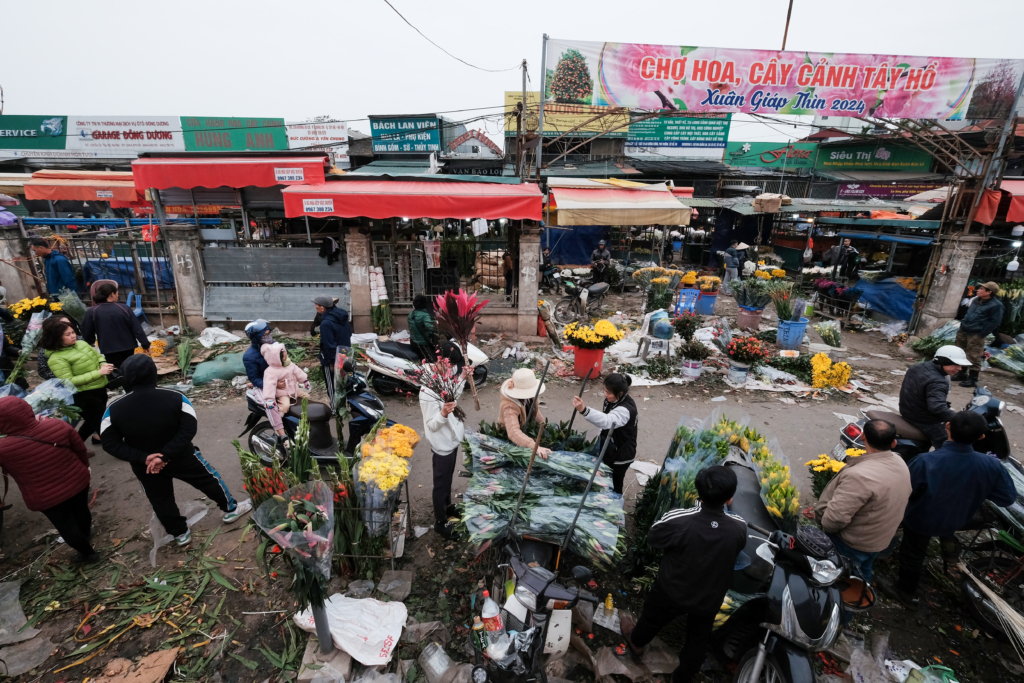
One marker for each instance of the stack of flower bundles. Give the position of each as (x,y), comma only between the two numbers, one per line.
(378,475)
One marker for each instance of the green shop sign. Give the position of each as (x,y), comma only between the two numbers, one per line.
(773,154)
(33,132)
(241,133)
(692,130)
(881,156)
(407,134)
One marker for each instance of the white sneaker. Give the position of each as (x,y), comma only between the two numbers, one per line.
(240,510)
(184,539)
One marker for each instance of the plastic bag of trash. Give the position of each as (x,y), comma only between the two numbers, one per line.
(366,629)
(226,367)
(895,329)
(193,511)
(1010,359)
(215,335)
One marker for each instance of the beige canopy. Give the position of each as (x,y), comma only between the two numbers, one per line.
(602,203)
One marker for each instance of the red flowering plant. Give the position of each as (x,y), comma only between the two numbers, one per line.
(747,350)
(442,379)
(457,314)
(686,323)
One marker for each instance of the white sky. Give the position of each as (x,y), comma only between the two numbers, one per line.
(350,58)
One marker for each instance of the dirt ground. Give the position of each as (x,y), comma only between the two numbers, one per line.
(940,631)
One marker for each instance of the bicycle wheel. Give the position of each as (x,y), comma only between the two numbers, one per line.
(995,571)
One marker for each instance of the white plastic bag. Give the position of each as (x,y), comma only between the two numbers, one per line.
(193,511)
(215,335)
(367,629)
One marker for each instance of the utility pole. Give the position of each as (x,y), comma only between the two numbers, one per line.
(785,33)
(521,129)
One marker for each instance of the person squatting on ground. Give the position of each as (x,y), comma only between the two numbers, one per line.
(619,413)
(861,507)
(444,432)
(255,364)
(152,430)
(925,390)
(81,364)
(113,325)
(948,486)
(516,408)
(701,545)
(423,328)
(50,464)
(335,332)
(984,315)
(283,379)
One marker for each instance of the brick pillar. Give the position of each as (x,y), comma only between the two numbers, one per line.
(357,249)
(956,259)
(529,277)
(183,250)
(15,275)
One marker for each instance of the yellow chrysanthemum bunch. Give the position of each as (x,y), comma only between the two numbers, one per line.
(386,458)
(763,274)
(825,373)
(855,452)
(823,463)
(605,328)
(690,278)
(778,272)
(906,283)
(156,348)
(386,470)
(601,336)
(660,281)
(31,306)
(649,272)
(709,283)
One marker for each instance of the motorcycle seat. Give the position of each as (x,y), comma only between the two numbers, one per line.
(315,411)
(599,288)
(399,350)
(904,429)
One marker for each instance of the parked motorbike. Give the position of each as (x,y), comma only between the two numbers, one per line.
(911,441)
(364,407)
(537,601)
(581,301)
(388,358)
(793,590)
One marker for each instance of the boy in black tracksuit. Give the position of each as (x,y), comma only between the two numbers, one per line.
(152,430)
(701,545)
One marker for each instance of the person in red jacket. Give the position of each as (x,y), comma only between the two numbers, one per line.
(50,465)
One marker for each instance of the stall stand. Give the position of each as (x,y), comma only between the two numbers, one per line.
(389,204)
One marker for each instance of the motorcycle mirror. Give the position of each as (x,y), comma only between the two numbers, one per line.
(582,574)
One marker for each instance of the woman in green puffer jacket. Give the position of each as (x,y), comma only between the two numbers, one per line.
(423,329)
(82,365)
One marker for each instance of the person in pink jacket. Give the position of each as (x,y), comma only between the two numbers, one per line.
(286,379)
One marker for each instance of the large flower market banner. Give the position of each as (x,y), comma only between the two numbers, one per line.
(708,79)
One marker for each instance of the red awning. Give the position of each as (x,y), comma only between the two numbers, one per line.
(189,172)
(82,186)
(1015,213)
(413,199)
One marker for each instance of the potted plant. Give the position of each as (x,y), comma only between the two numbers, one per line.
(693,353)
(709,286)
(744,352)
(752,295)
(686,324)
(590,343)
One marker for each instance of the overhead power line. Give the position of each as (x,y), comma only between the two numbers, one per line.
(480,68)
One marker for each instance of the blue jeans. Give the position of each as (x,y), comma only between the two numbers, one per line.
(863,562)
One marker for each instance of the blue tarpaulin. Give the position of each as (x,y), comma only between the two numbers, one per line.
(122,271)
(575,245)
(888,297)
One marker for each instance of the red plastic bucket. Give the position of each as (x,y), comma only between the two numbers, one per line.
(585,359)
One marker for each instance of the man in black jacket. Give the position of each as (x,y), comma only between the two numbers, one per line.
(984,315)
(925,388)
(701,545)
(152,430)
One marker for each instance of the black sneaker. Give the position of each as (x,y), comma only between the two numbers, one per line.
(911,602)
(446,530)
(79,558)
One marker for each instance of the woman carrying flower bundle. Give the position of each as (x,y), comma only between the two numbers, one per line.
(82,365)
(619,414)
(444,431)
(517,408)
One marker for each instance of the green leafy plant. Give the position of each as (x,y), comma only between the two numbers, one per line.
(694,350)
(799,366)
(184,356)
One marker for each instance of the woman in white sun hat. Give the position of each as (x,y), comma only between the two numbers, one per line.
(517,408)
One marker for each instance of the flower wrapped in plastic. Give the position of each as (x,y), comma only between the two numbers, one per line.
(301,520)
(377,482)
(55,398)
(489,453)
(484,526)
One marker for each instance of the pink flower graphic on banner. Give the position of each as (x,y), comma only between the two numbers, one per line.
(950,85)
(862,90)
(632,62)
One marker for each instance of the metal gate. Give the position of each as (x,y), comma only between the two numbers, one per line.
(274,282)
(137,266)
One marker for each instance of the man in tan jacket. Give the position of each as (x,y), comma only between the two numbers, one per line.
(863,506)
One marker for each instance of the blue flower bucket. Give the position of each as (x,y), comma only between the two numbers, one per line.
(706,303)
(791,334)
